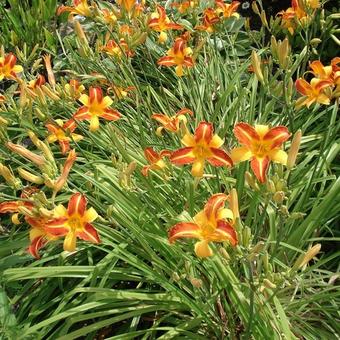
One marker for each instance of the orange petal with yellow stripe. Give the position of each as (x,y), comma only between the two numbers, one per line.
(36,244)
(111,114)
(225,232)
(9,207)
(183,230)
(204,132)
(183,156)
(219,158)
(260,167)
(89,233)
(245,134)
(303,86)
(277,136)
(214,203)
(82,114)
(57,226)
(166,61)
(77,204)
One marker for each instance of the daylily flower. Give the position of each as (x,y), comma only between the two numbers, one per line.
(95,106)
(8,67)
(200,147)
(132,7)
(110,17)
(227,10)
(171,124)
(185,6)
(210,18)
(313,92)
(160,22)
(58,132)
(330,72)
(80,7)
(260,144)
(121,92)
(179,55)
(212,224)
(73,222)
(74,89)
(117,49)
(155,159)
(33,84)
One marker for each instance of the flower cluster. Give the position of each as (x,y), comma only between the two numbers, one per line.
(324,85)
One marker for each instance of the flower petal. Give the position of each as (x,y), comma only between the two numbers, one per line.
(278,156)
(204,132)
(90,215)
(303,86)
(214,203)
(70,241)
(202,249)
(260,167)
(94,123)
(77,204)
(240,154)
(9,207)
(96,95)
(224,214)
(188,140)
(82,114)
(36,244)
(219,158)
(89,234)
(245,134)
(111,114)
(166,61)
(84,99)
(216,142)
(183,156)
(276,136)
(225,232)
(57,226)
(183,230)
(197,169)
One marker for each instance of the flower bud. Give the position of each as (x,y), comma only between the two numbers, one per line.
(294,149)
(279,197)
(271,186)
(256,250)
(19,149)
(15,219)
(8,175)
(197,283)
(284,210)
(234,204)
(310,254)
(256,63)
(269,284)
(224,254)
(28,176)
(246,236)
(297,215)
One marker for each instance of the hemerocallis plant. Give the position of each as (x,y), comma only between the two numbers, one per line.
(155,160)
(96,106)
(63,133)
(80,7)
(73,222)
(261,145)
(201,147)
(171,124)
(8,67)
(212,224)
(210,18)
(160,22)
(179,55)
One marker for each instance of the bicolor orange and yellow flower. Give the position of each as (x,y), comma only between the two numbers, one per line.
(80,7)
(63,133)
(74,88)
(117,50)
(212,224)
(160,22)
(179,55)
(74,222)
(171,124)
(227,10)
(96,106)
(210,18)
(260,145)
(8,67)
(155,160)
(201,147)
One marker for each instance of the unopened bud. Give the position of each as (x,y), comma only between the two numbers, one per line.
(175,276)
(8,175)
(265,261)
(36,159)
(251,181)
(255,8)
(279,197)
(269,284)
(297,215)
(256,250)
(271,186)
(224,254)
(294,149)
(28,176)
(23,210)
(39,114)
(234,204)
(33,137)
(50,93)
(284,210)
(283,50)
(46,213)
(310,254)
(197,283)
(256,63)
(246,236)
(15,219)
(264,19)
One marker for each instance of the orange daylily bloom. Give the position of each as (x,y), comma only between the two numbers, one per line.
(179,55)
(95,106)
(185,6)
(132,7)
(80,7)
(73,222)
(33,84)
(117,49)
(200,147)
(121,92)
(171,123)
(331,72)
(313,92)
(210,18)
(160,22)
(58,132)
(110,17)
(227,10)
(212,224)
(155,159)
(8,67)
(74,88)
(260,144)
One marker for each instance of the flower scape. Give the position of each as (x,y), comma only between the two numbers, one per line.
(167,171)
